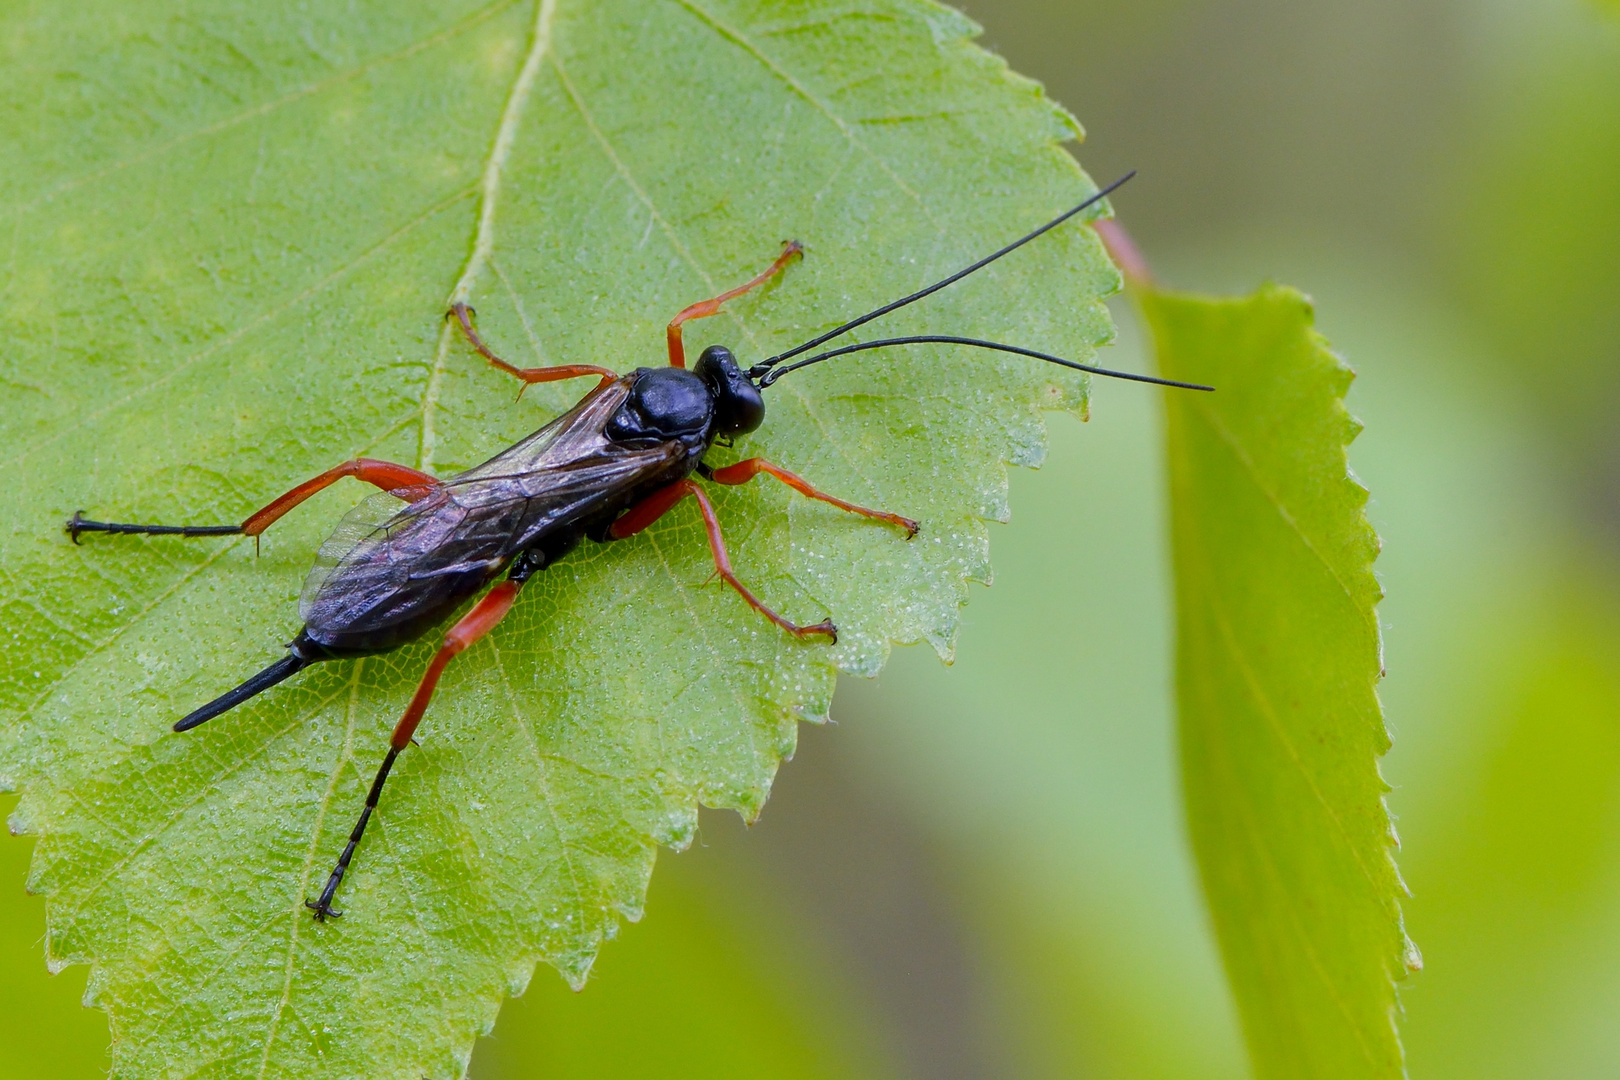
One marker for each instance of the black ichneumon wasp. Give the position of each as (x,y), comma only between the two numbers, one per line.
(410,555)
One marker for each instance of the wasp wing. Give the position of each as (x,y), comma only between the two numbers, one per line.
(395,560)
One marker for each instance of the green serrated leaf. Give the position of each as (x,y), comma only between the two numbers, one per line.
(1278,660)
(234,228)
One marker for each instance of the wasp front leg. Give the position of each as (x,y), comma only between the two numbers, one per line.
(704,308)
(744,471)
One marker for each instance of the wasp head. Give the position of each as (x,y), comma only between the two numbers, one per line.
(738,406)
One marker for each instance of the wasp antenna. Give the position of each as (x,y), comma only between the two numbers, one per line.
(758,370)
(282,669)
(950,339)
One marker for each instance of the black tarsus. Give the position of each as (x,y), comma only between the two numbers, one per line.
(524,566)
(284,668)
(949,339)
(322,907)
(78,524)
(759,369)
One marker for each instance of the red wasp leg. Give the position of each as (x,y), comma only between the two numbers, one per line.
(744,471)
(463,315)
(400,479)
(474,625)
(704,308)
(659,503)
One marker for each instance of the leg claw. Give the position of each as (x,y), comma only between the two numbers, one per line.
(825,626)
(323,910)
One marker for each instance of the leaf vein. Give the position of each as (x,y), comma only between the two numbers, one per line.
(344,758)
(686,254)
(246,939)
(484,237)
(770,65)
(1304,936)
(246,328)
(1267,710)
(542,777)
(1235,447)
(229,769)
(157,601)
(165,149)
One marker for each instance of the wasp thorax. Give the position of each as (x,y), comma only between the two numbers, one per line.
(663,404)
(738,406)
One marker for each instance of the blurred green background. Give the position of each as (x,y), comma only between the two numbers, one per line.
(981,871)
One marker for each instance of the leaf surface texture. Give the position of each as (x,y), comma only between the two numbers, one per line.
(234,229)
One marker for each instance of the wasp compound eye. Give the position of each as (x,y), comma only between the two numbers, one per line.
(738,406)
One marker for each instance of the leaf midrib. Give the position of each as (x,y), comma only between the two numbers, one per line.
(1240,455)
(1250,680)
(489,202)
